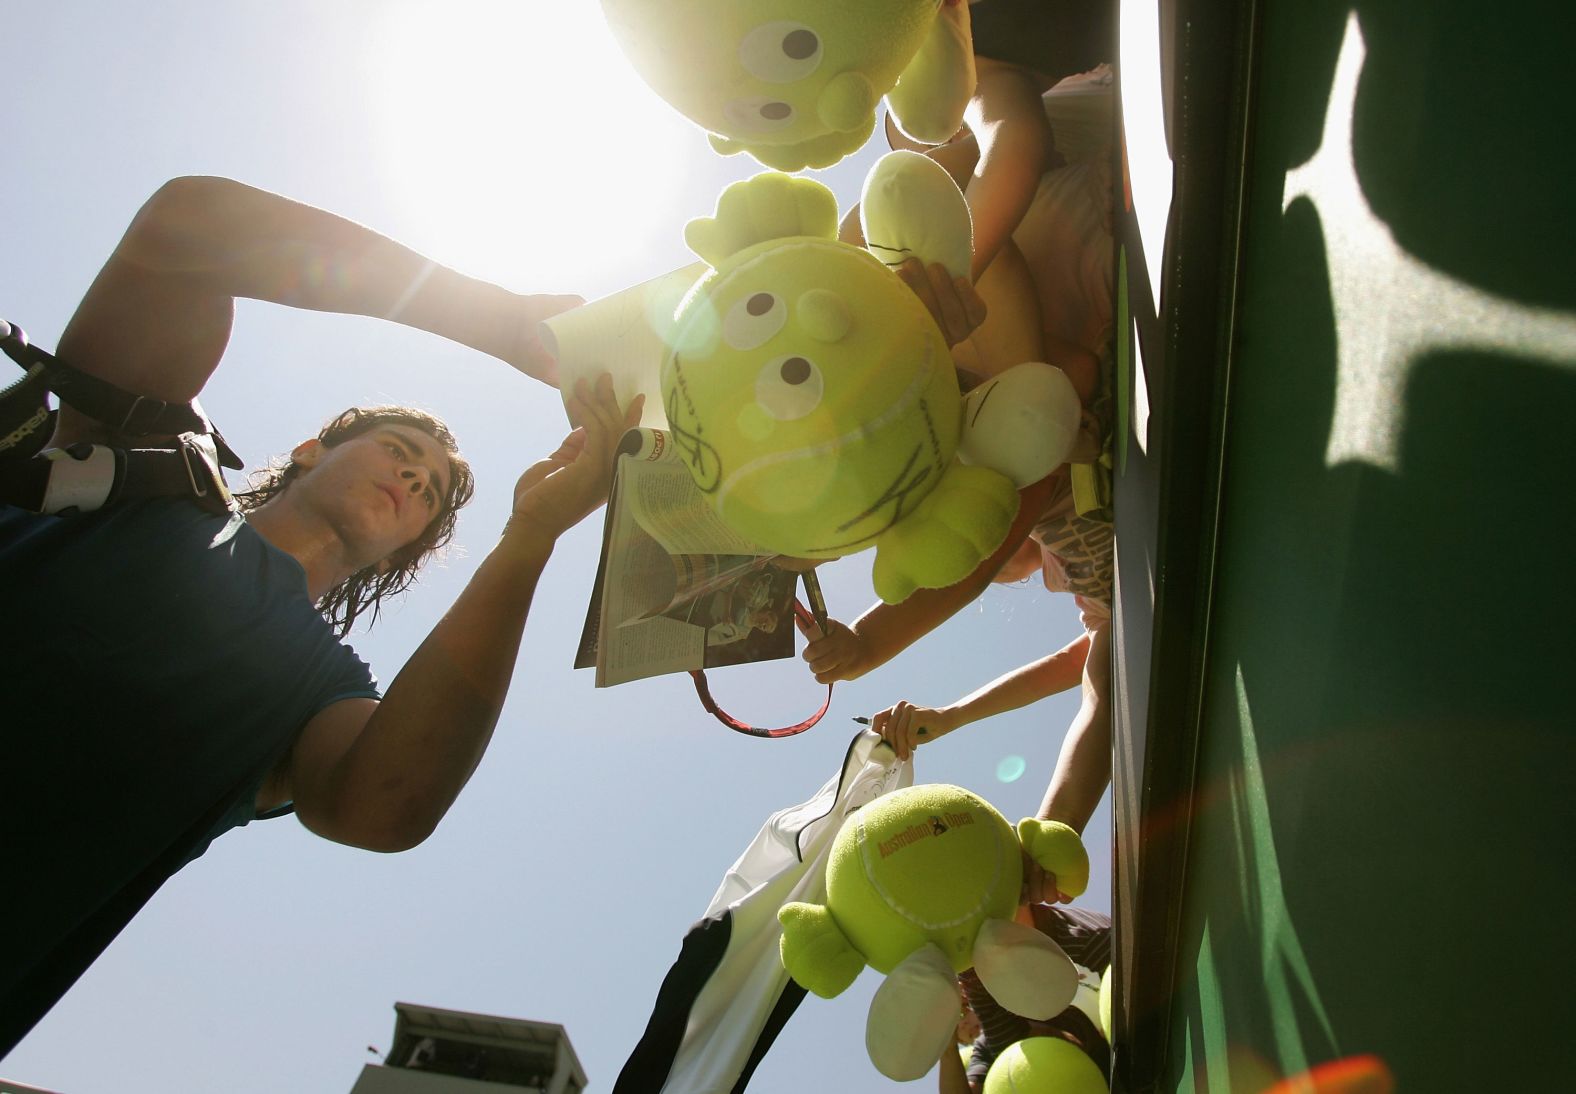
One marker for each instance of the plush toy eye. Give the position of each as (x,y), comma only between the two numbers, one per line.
(780,52)
(753,320)
(758,115)
(788,387)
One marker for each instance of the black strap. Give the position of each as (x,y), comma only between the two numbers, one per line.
(120,410)
(816,613)
(187,465)
(26,422)
(188,469)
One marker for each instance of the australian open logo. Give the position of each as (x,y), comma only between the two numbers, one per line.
(25,430)
(937,824)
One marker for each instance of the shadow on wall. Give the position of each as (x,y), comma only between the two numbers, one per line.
(1378,863)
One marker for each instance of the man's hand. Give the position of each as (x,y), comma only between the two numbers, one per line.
(556,493)
(840,654)
(528,354)
(905,727)
(953,301)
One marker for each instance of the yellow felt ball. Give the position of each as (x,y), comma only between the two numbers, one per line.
(927,864)
(793,82)
(808,390)
(1044,1065)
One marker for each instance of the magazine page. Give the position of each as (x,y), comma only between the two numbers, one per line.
(625,334)
(742,605)
(663,498)
(660,607)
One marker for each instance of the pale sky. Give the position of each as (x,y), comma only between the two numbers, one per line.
(515,146)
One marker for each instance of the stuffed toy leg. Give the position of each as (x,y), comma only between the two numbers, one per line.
(930,96)
(960,522)
(913,1015)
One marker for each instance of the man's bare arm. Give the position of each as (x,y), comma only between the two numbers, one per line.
(157,317)
(381,775)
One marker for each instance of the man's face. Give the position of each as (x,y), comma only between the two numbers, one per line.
(379,490)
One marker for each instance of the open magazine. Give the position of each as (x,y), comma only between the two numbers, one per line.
(676,588)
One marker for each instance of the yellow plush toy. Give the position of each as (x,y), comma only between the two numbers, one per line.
(922,884)
(795,82)
(1044,1065)
(814,398)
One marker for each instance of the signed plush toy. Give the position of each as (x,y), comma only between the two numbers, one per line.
(813,396)
(795,82)
(922,884)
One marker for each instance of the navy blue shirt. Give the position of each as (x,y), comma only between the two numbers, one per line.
(156,662)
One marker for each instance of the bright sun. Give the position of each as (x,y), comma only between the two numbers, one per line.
(519,135)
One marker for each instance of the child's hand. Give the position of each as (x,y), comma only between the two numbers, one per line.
(555,493)
(840,654)
(1055,863)
(953,301)
(1039,887)
(528,354)
(905,727)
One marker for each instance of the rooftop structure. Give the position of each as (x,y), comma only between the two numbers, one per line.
(438,1051)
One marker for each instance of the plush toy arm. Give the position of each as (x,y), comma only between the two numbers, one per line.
(1057,848)
(957,525)
(1023,422)
(931,94)
(1024,970)
(911,208)
(815,951)
(913,1015)
(768,206)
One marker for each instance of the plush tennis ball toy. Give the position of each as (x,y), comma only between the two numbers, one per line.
(1044,1065)
(812,395)
(796,82)
(922,884)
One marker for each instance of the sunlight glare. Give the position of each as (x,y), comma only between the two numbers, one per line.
(522,144)
(1143,113)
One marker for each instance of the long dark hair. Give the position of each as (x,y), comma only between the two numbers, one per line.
(367,587)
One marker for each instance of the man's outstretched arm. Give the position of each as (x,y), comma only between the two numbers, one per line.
(380,775)
(157,317)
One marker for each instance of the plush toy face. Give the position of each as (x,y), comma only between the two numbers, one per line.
(811,394)
(926,864)
(794,82)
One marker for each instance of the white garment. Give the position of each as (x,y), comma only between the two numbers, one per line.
(786,861)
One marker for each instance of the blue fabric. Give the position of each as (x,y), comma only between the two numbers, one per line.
(157,662)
